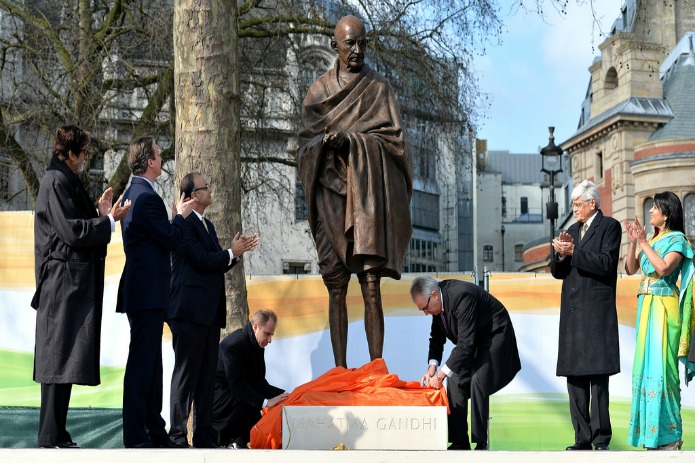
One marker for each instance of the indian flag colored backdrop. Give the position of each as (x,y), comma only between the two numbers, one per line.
(531,413)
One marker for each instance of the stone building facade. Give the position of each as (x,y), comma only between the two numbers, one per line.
(636,131)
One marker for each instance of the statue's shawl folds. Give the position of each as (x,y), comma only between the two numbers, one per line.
(364,205)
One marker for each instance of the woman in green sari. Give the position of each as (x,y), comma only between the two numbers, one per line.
(663,328)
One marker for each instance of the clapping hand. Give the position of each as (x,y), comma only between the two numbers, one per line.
(184,207)
(107,206)
(565,237)
(118,210)
(563,244)
(105,201)
(635,231)
(242,244)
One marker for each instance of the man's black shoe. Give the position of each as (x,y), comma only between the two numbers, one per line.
(601,447)
(481,446)
(148,444)
(579,447)
(236,446)
(457,446)
(179,445)
(61,445)
(168,444)
(205,445)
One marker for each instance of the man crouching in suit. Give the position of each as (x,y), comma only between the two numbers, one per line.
(196,313)
(241,390)
(484,360)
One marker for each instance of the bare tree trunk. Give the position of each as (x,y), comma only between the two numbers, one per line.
(21,158)
(206,81)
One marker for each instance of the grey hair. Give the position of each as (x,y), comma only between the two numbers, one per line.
(423,286)
(587,190)
(262,316)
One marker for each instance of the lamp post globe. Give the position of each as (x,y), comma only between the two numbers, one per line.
(551,164)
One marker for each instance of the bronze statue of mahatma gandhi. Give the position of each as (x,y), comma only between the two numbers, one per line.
(358,180)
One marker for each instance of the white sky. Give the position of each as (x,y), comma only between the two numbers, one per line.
(538,76)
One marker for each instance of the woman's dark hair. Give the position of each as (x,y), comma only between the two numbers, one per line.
(669,205)
(70,138)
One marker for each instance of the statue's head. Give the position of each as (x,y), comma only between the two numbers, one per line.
(350,42)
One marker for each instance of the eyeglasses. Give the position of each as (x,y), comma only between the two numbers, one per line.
(427,306)
(351,44)
(206,187)
(579,205)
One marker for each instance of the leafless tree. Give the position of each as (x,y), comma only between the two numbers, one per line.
(107,65)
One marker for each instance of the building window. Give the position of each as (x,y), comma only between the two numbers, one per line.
(524,205)
(424,210)
(689,213)
(295,268)
(300,209)
(518,252)
(598,165)
(648,203)
(611,79)
(487,253)
(424,256)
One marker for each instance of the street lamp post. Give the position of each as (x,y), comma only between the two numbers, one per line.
(502,231)
(551,164)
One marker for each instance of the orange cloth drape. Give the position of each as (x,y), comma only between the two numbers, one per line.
(371,384)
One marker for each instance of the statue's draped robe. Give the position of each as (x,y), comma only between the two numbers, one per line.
(358,199)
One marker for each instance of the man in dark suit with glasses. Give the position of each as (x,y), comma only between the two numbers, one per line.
(196,313)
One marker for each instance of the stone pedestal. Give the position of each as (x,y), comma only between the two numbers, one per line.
(364,428)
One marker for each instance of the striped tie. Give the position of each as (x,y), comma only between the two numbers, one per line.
(583,231)
(446,329)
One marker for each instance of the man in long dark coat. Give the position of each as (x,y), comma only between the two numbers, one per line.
(484,360)
(70,238)
(586,259)
(357,176)
(241,390)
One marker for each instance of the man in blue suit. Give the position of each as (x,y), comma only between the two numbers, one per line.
(196,313)
(143,294)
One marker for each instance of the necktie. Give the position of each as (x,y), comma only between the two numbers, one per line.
(205,224)
(583,231)
(446,328)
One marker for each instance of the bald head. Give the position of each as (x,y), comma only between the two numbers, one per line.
(350,42)
(347,23)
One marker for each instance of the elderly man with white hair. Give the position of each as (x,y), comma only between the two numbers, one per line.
(586,259)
